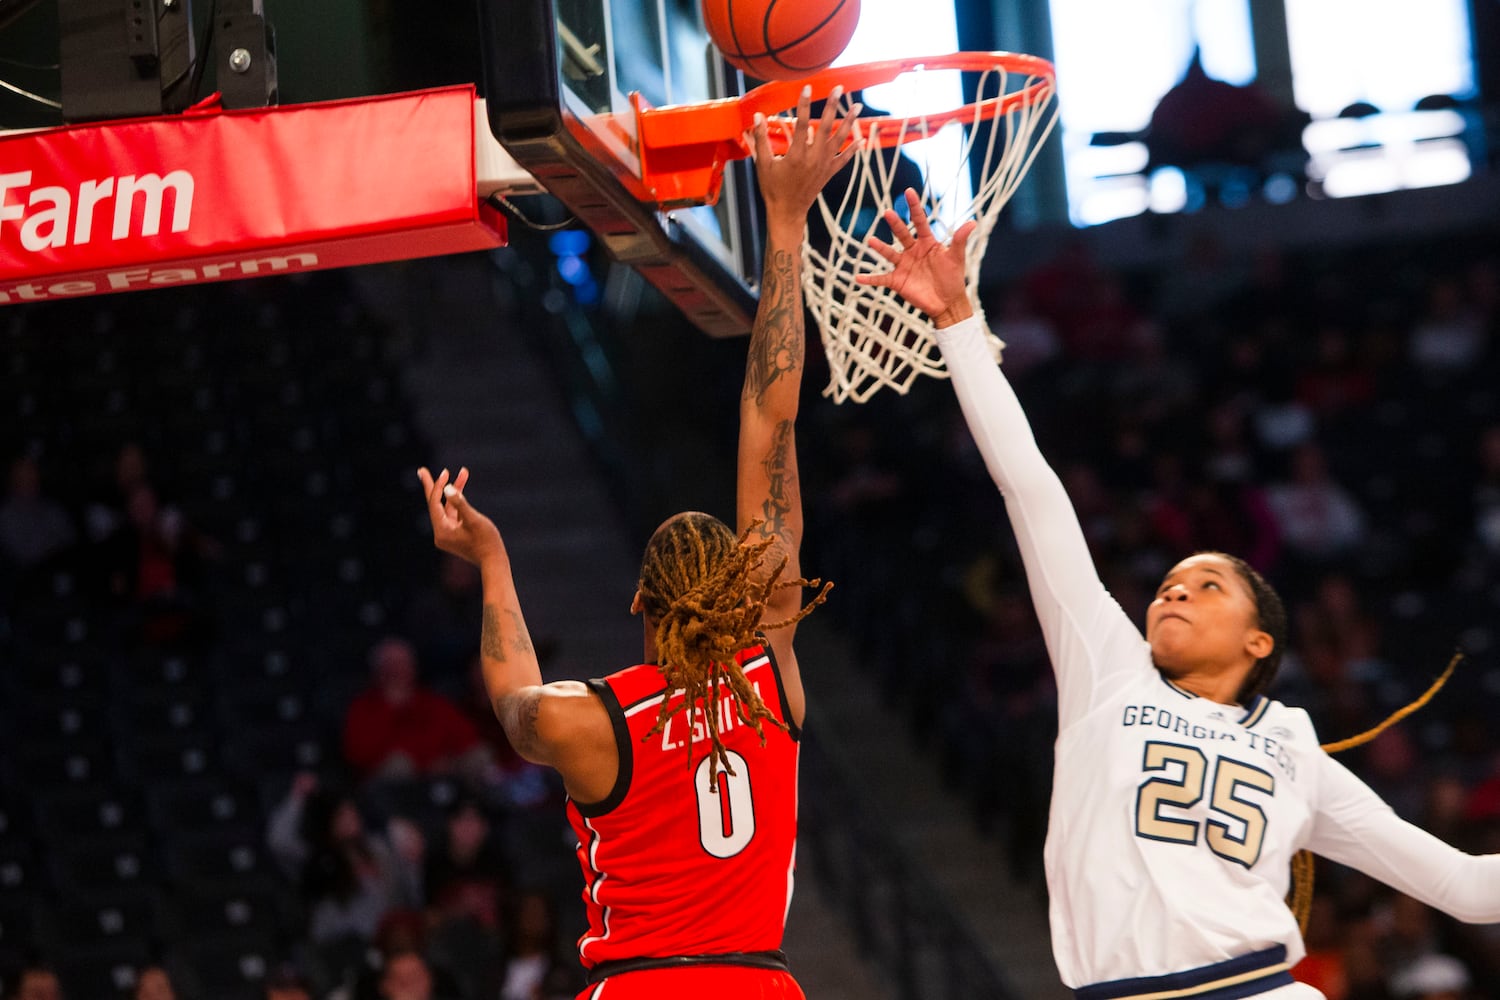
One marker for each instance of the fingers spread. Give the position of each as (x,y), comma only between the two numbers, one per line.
(804,112)
(899,230)
(918,215)
(433,489)
(826,126)
(961,238)
(847,128)
(760,130)
(883,248)
(434,504)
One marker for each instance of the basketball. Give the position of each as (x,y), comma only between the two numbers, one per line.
(780,39)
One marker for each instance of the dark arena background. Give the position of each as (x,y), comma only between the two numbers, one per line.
(1251,296)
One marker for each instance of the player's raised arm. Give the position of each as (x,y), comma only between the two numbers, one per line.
(768,491)
(547,724)
(1065,586)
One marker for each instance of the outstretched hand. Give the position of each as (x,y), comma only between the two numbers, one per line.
(790,183)
(926,273)
(456,526)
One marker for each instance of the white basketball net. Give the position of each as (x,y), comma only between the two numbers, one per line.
(871,336)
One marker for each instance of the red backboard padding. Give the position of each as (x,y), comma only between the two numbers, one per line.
(213,195)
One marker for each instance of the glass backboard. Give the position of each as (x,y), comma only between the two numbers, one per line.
(559,75)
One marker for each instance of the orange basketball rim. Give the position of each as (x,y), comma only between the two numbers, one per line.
(683,148)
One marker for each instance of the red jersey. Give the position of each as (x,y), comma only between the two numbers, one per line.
(673,866)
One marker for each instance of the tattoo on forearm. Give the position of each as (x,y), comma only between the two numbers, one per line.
(781,479)
(491,643)
(776,342)
(518,715)
(521,643)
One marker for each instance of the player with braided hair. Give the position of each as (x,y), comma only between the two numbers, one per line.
(707,594)
(1180,793)
(681,772)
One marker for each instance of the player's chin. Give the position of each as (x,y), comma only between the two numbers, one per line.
(1167,657)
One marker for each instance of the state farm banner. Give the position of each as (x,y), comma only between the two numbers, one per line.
(216,195)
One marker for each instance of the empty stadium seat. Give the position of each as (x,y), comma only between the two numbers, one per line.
(102,865)
(222,861)
(86,811)
(199,805)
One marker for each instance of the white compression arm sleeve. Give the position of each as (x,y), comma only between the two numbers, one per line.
(1355,827)
(1086,632)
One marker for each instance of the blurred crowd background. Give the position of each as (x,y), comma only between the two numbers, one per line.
(243,746)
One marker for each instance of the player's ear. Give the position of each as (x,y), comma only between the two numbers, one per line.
(636,607)
(1259,643)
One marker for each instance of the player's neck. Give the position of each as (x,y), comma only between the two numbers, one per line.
(1218,686)
(648,640)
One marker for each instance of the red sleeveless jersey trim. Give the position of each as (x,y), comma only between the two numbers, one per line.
(677,861)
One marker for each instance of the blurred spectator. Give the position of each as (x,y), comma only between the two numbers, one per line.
(511,780)
(1483,804)
(286,983)
(1486,493)
(404,933)
(1103,325)
(153,563)
(106,511)
(440,620)
(1432,977)
(1413,937)
(398,729)
(1005,687)
(1282,421)
(1159,382)
(1364,962)
(1351,632)
(466,871)
(1226,516)
(405,976)
(32,526)
(1391,764)
(38,982)
(1206,276)
(532,971)
(1030,340)
(466,902)
(1318,518)
(1323,966)
(1201,121)
(153,983)
(1483,285)
(1337,380)
(1450,336)
(1443,801)
(1054,287)
(350,877)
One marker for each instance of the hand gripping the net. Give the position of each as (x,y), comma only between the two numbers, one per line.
(872,338)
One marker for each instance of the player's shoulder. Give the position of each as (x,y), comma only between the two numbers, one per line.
(632,684)
(762,654)
(1286,723)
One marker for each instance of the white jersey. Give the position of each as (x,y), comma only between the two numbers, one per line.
(1174,818)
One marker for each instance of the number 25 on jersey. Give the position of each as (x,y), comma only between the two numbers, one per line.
(1177,778)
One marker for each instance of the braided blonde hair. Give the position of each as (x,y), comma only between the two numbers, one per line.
(704,590)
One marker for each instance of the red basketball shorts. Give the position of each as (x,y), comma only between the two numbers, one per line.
(695,982)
